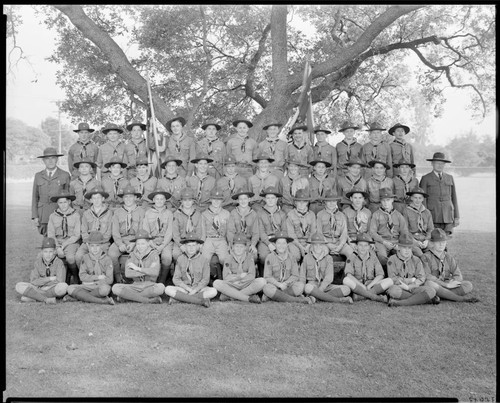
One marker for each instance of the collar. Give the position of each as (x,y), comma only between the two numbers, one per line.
(320,178)
(167,176)
(385,211)
(143,255)
(379,180)
(347,143)
(70,211)
(214,212)
(437,173)
(84,144)
(404,261)
(376,144)
(362,258)
(272,140)
(130,211)
(302,213)
(276,209)
(98,257)
(402,142)
(178,138)
(263,175)
(420,209)
(185,213)
(194,256)
(321,255)
(247,210)
(299,147)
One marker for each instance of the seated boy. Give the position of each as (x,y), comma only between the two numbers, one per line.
(400,148)
(419,220)
(301,222)
(357,215)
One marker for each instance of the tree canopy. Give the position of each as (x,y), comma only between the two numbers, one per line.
(228,61)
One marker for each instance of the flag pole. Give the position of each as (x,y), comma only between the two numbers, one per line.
(153,124)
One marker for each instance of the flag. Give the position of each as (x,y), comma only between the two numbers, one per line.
(152,155)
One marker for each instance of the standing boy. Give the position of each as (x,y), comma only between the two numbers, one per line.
(172,182)
(144,182)
(404,181)
(261,179)
(299,150)
(113,149)
(229,182)
(324,151)
(291,182)
(201,182)
(376,181)
(400,148)
(376,149)
(357,215)
(180,144)
(301,222)
(348,148)
(83,149)
(114,181)
(274,147)
(320,183)
(243,148)
(136,147)
(352,179)
(83,182)
(212,147)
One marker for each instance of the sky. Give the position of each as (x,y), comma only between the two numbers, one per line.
(32,90)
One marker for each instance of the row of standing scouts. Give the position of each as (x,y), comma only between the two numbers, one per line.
(244,219)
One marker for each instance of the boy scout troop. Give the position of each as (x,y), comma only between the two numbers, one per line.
(244,221)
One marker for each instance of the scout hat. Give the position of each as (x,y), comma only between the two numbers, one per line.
(355,161)
(48,243)
(330,195)
(279,235)
(317,238)
(50,152)
(171,158)
(85,161)
(96,190)
(347,125)
(62,196)
(229,159)
(295,161)
(357,190)
(328,164)
(263,156)
(141,234)
(187,194)
(375,126)
(84,126)
(271,124)
(438,235)
(270,190)
(385,193)
(302,195)
(96,237)
(142,160)
(405,240)
(397,125)
(129,190)
(202,157)
(363,237)
(111,126)
(373,162)
(240,238)
(217,126)
(402,161)
(241,191)
(216,193)
(438,156)
(191,237)
(152,195)
(115,160)
(168,125)
(417,190)
(319,129)
(131,126)
(248,123)
(298,127)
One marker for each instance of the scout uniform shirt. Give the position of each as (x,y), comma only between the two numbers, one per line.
(243,222)
(42,270)
(346,183)
(144,186)
(379,152)
(387,226)
(45,187)
(113,185)
(135,150)
(214,225)
(244,150)
(258,182)
(184,223)
(304,154)
(235,266)
(358,221)
(149,262)
(375,184)
(158,224)
(402,150)
(444,267)
(184,148)
(333,226)
(191,271)
(319,186)
(216,150)
(442,200)
(108,151)
(402,186)
(276,148)
(419,222)
(78,187)
(300,226)
(364,269)
(318,270)
(172,185)
(346,151)
(126,223)
(228,184)
(281,269)
(64,226)
(202,187)
(399,269)
(93,266)
(93,221)
(326,152)
(270,223)
(81,151)
(289,185)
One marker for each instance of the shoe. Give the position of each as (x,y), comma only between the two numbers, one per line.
(471,300)
(110,300)
(50,301)
(383,298)
(155,300)
(346,300)
(119,299)
(265,298)
(312,299)
(436,300)
(206,303)
(27,299)
(254,299)
(357,297)
(172,301)
(391,303)
(224,297)
(69,298)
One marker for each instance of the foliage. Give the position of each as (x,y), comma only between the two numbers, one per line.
(50,126)
(23,141)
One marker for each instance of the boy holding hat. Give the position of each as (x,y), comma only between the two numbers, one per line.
(404,181)
(352,179)
(158,222)
(324,151)
(284,282)
(408,276)
(181,145)
(192,274)
(261,179)
(136,147)
(318,269)
(376,148)
(357,215)
(442,200)
(201,182)
(243,219)
(99,217)
(301,222)
(292,181)
(243,148)
(96,273)
(274,147)
(144,181)
(114,181)
(400,148)
(112,149)
(82,184)
(46,278)
(211,146)
(298,149)
(348,148)
(386,226)
(127,221)
(376,181)
(172,182)
(320,183)
(363,272)
(230,181)
(143,266)
(238,274)
(47,183)
(419,220)
(64,227)
(442,271)
(83,149)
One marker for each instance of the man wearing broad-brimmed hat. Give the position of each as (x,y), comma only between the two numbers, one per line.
(301,222)
(213,147)
(261,179)
(113,148)
(324,151)
(114,181)
(274,147)
(171,181)
(83,149)
(230,181)
(442,201)
(348,147)
(243,148)
(400,148)
(442,271)
(47,183)
(419,220)
(144,181)
(299,149)
(376,149)
(201,182)
(83,183)
(291,182)
(404,181)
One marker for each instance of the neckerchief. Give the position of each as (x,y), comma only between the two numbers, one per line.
(97,267)
(441,265)
(178,143)
(243,216)
(48,265)
(359,219)
(282,263)
(316,260)
(243,144)
(240,262)
(200,186)
(170,185)
(304,226)
(141,257)
(83,150)
(364,273)
(390,224)
(259,174)
(407,184)
(379,180)
(128,224)
(159,225)
(97,222)
(299,148)
(209,147)
(190,269)
(215,220)
(333,221)
(293,187)
(116,184)
(320,185)
(189,222)
(375,150)
(115,148)
(272,144)
(405,149)
(348,145)
(64,225)
(351,181)
(231,182)
(406,274)
(420,219)
(136,146)
(140,189)
(276,226)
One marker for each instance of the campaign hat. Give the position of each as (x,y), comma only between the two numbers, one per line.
(229,159)
(263,156)
(240,237)
(297,127)
(115,160)
(200,157)
(439,156)
(50,152)
(142,160)
(363,237)
(84,126)
(159,192)
(270,190)
(217,126)
(402,161)
(140,124)
(302,195)
(187,194)
(313,163)
(397,125)
(319,129)
(385,193)
(129,190)
(373,162)
(354,160)
(191,237)
(168,125)
(317,238)
(405,240)
(330,195)
(96,190)
(280,234)
(438,235)
(142,234)
(375,126)
(62,196)
(111,126)
(248,123)
(347,125)
(271,124)
(417,190)
(357,190)
(294,160)
(241,191)
(216,193)
(171,158)
(85,161)
(96,237)
(48,242)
